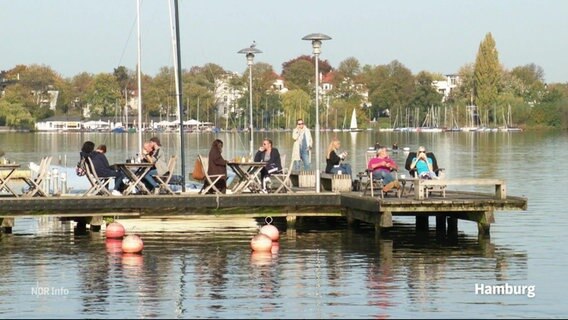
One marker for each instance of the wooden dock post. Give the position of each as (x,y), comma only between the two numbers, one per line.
(441,224)
(421,223)
(95,223)
(385,222)
(484,223)
(7,224)
(291,222)
(452,227)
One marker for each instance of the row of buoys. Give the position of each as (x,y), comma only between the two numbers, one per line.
(266,240)
(130,244)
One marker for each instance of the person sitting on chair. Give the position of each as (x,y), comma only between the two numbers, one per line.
(382,166)
(218,165)
(102,167)
(423,164)
(266,153)
(333,160)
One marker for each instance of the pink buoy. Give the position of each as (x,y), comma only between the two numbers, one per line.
(275,247)
(132,260)
(132,244)
(113,245)
(114,230)
(261,242)
(260,259)
(270,230)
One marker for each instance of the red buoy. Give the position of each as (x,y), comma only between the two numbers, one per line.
(261,242)
(113,245)
(132,244)
(259,258)
(271,231)
(275,247)
(114,230)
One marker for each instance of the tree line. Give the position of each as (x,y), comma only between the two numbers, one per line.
(372,90)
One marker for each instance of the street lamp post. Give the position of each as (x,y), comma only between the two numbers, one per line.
(250,52)
(316,39)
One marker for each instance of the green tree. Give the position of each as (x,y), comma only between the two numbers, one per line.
(531,79)
(300,75)
(394,89)
(296,104)
(425,96)
(487,74)
(103,94)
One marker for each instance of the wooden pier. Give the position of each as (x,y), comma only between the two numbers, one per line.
(353,206)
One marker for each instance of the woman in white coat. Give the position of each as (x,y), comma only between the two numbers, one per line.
(302,146)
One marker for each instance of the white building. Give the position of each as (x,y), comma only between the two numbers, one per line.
(445,87)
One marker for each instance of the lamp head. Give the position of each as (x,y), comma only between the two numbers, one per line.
(249,52)
(316,39)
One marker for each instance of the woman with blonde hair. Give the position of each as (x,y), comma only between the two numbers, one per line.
(333,159)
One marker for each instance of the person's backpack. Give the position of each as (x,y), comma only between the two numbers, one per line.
(80,169)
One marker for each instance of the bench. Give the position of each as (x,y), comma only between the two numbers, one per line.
(303,178)
(335,182)
(422,186)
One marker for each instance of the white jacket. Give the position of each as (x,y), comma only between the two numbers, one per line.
(298,135)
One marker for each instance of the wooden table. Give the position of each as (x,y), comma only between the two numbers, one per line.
(6,172)
(134,172)
(248,175)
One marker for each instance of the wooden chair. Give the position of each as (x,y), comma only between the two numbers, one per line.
(99,185)
(373,184)
(283,177)
(210,180)
(37,183)
(440,173)
(164,181)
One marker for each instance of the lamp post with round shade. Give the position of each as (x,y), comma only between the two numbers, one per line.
(316,39)
(249,53)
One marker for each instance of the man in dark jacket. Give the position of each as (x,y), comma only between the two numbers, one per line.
(266,153)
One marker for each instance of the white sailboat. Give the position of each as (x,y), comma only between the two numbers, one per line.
(353,127)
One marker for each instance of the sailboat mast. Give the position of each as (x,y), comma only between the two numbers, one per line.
(179,95)
(139,73)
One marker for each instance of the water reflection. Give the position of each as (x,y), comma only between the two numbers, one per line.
(214,273)
(323,269)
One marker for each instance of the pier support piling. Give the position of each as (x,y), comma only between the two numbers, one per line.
(452,227)
(96,223)
(421,223)
(291,222)
(7,224)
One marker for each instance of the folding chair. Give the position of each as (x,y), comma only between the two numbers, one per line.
(372,183)
(99,185)
(210,180)
(164,181)
(35,184)
(283,177)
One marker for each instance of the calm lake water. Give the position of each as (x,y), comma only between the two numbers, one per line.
(205,269)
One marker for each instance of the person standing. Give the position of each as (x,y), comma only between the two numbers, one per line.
(302,145)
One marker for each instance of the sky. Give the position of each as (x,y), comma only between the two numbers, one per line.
(441,36)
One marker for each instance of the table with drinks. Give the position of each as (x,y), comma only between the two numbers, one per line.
(248,174)
(134,171)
